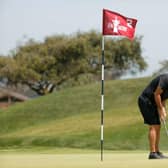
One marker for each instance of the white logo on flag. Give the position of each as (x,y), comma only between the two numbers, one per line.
(115,25)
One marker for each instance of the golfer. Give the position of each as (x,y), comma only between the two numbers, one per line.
(152,107)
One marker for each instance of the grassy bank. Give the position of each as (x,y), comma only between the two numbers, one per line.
(71,118)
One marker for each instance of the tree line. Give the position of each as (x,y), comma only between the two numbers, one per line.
(68,60)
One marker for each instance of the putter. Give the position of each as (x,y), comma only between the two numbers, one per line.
(164,122)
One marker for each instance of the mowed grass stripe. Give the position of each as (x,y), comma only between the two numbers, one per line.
(75,124)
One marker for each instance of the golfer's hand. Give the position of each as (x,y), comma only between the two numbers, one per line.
(162,113)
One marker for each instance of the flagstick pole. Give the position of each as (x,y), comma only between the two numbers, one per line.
(102,99)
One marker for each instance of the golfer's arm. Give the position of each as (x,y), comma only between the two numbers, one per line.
(157,97)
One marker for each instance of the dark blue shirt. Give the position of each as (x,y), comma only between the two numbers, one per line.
(160,81)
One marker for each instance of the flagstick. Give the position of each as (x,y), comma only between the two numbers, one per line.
(102,98)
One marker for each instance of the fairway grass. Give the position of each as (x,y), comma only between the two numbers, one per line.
(78,160)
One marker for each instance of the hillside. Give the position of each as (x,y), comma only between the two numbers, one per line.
(71,118)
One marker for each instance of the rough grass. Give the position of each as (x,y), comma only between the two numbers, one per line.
(71,118)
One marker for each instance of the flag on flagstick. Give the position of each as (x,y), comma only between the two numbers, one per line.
(117,24)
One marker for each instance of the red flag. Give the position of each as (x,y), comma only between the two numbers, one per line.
(116,24)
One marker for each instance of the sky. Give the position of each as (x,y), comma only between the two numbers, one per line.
(21,20)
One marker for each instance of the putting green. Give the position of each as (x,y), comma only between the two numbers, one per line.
(111,160)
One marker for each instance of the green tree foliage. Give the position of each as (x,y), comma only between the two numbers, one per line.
(72,58)
(163,68)
(124,56)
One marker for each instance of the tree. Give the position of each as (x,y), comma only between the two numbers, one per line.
(163,68)
(124,56)
(60,59)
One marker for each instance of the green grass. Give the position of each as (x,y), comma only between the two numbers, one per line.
(79,160)
(71,119)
